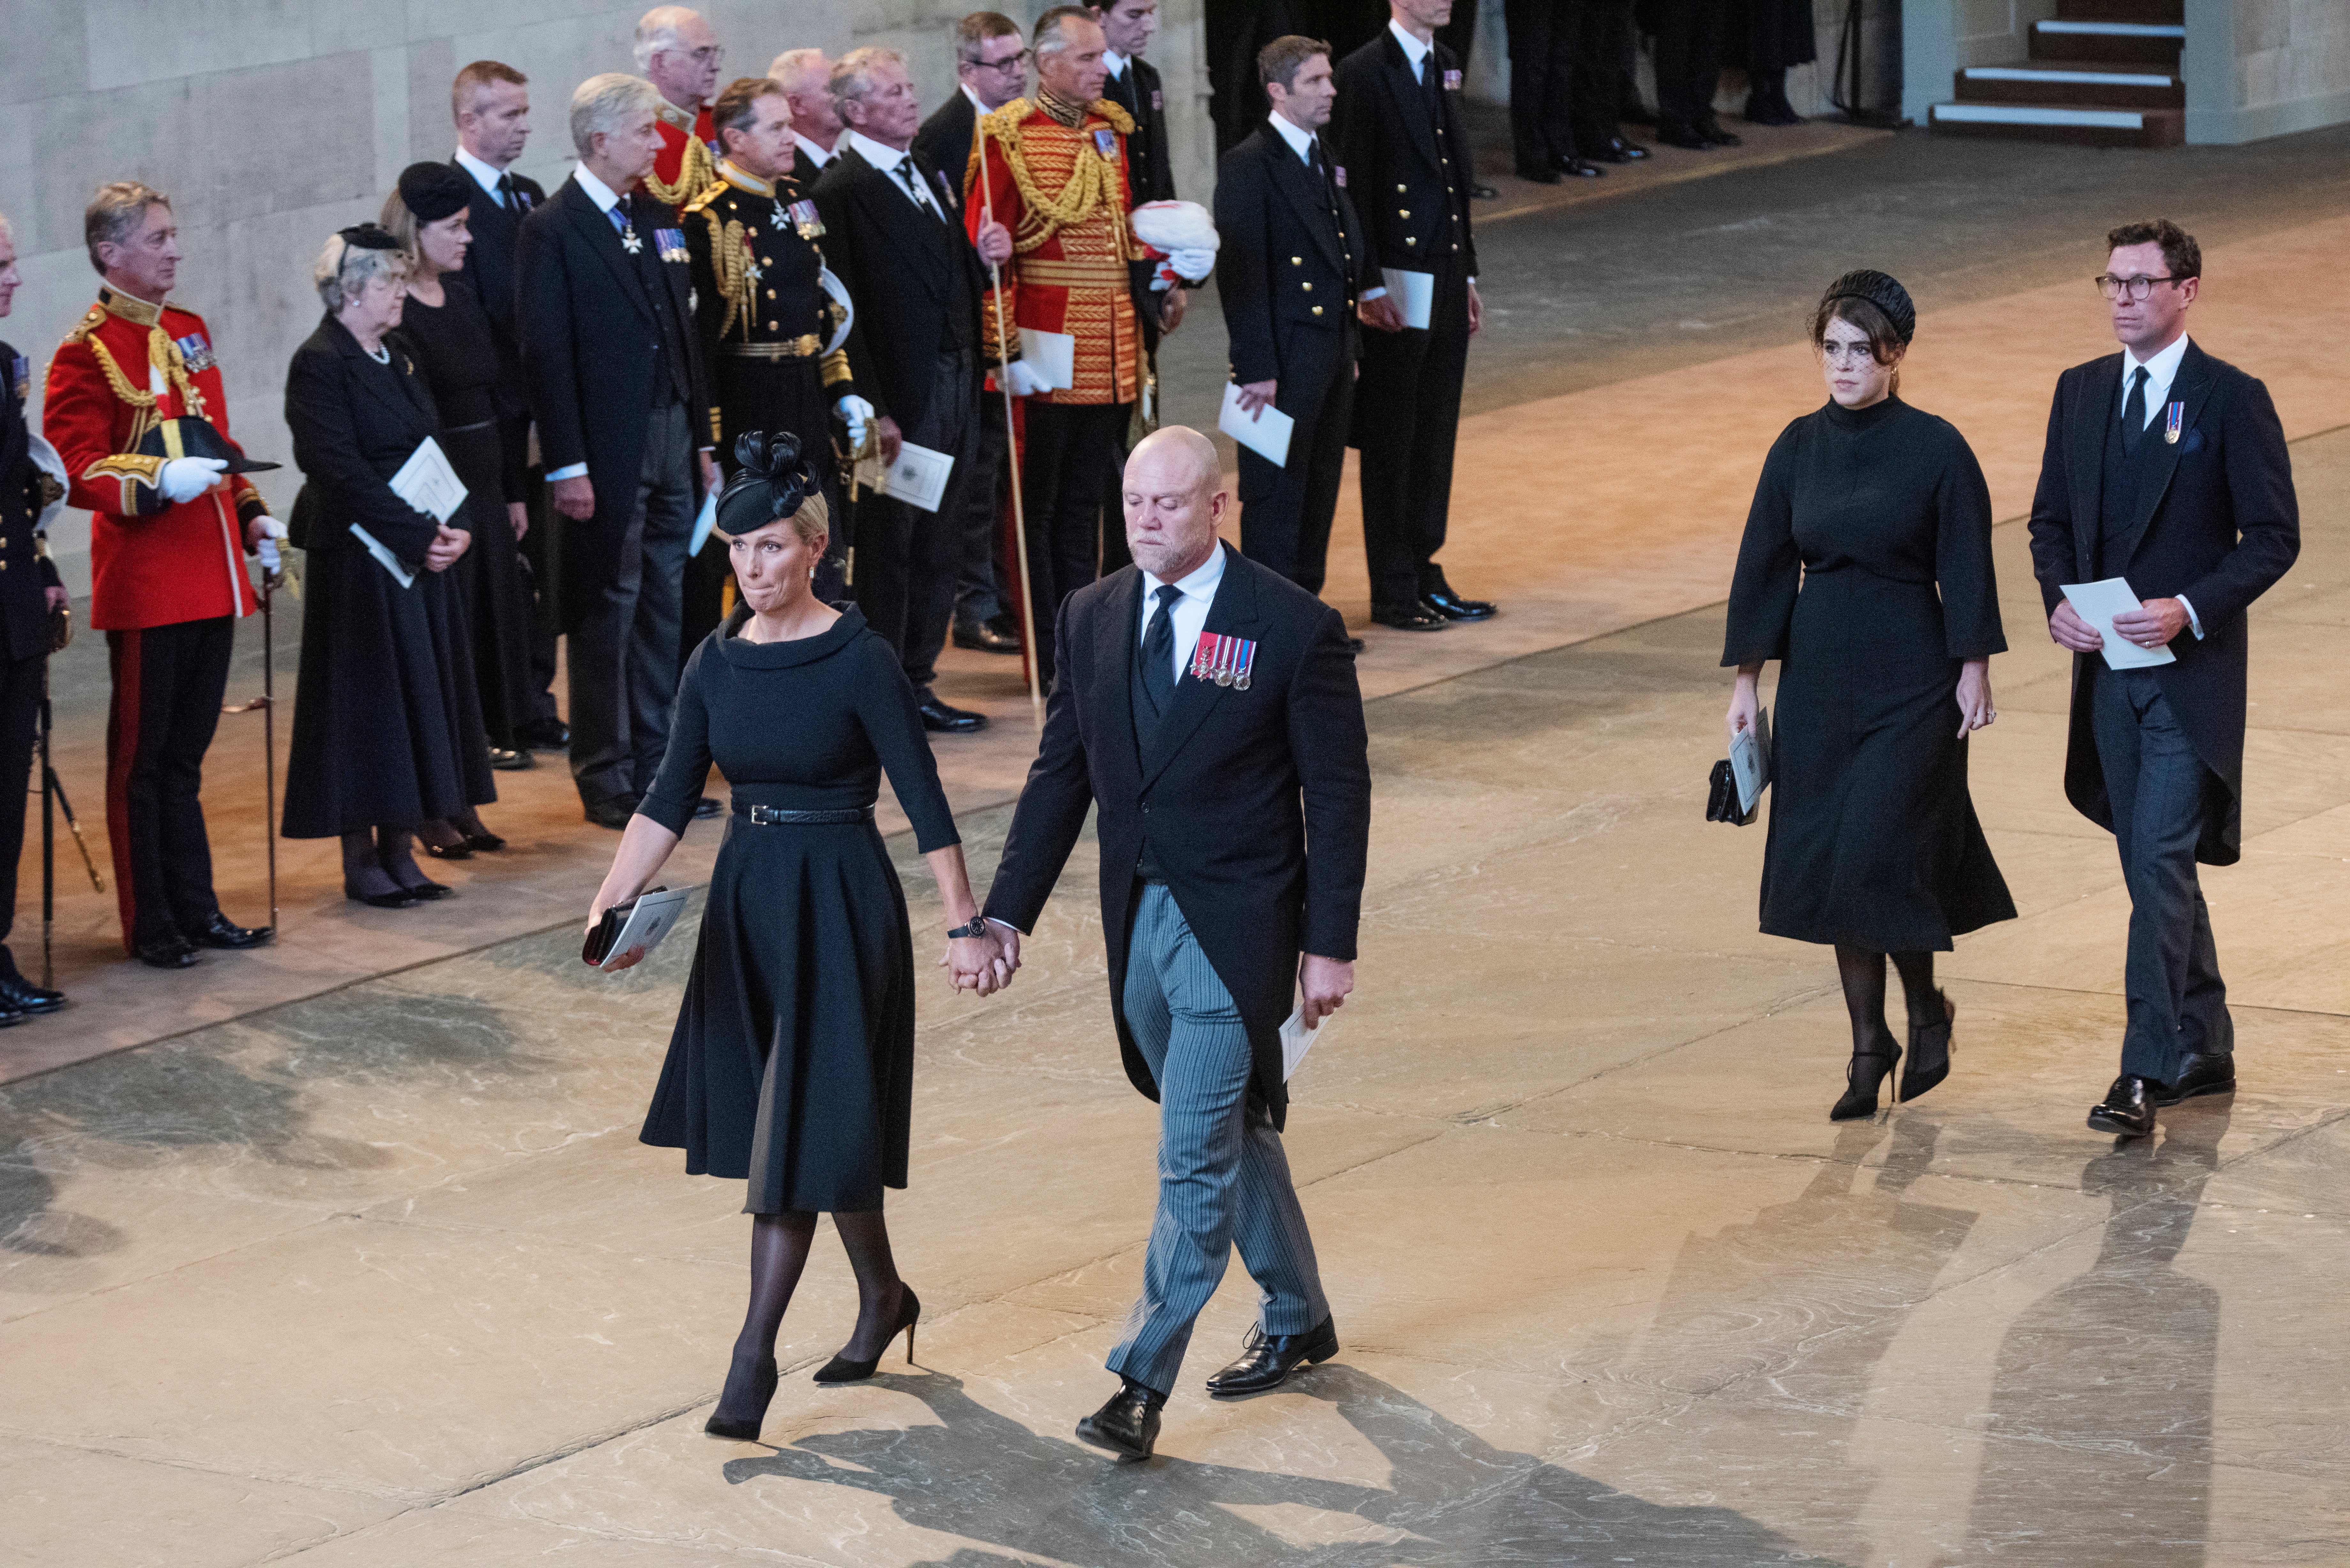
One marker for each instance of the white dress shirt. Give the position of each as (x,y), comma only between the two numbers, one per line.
(1302,142)
(606,199)
(1115,63)
(887,159)
(483,175)
(978,105)
(1414,50)
(819,156)
(1191,611)
(2160,371)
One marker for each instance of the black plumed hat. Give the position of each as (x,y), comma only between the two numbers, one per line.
(1881,290)
(433,190)
(771,479)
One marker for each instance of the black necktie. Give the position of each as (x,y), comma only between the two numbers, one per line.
(1428,82)
(906,171)
(507,191)
(1159,651)
(2133,412)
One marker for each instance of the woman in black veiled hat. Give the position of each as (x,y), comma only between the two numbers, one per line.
(792,1062)
(1866,572)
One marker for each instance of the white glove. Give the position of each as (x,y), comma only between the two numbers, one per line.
(271,528)
(859,415)
(1025,379)
(1194,264)
(182,479)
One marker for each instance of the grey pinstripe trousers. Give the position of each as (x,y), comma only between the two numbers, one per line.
(1224,1180)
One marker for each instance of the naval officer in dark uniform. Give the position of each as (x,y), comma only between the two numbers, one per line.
(760,305)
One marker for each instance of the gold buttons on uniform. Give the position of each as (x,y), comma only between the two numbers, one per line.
(770,326)
(771,294)
(1403,211)
(1297,261)
(1318,310)
(1410,240)
(1398,190)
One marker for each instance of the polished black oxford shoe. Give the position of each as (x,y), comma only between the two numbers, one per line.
(218,931)
(2198,1075)
(1482,191)
(171,953)
(2127,1109)
(1443,601)
(1408,617)
(1616,150)
(545,735)
(1713,131)
(18,994)
(1269,1358)
(942,718)
(1542,176)
(1128,1425)
(985,636)
(1581,167)
(512,762)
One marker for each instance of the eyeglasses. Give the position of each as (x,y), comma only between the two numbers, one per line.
(2137,288)
(1852,354)
(1010,63)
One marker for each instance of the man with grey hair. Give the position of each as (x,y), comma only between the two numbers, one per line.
(622,400)
(168,537)
(680,55)
(806,76)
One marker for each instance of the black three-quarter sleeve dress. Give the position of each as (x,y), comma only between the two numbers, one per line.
(793,1059)
(1866,572)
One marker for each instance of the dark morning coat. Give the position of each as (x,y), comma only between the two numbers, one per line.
(24,601)
(944,140)
(1234,790)
(592,357)
(1411,185)
(2215,519)
(489,268)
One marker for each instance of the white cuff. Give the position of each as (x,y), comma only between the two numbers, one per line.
(2194,622)
(573,471)
(1007,925)
(1370,294)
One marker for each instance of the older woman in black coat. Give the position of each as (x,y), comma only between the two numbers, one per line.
(386,726)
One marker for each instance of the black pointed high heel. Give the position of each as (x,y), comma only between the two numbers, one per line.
(840,1369)
(1859,1100)
(763,1379)
(1924,1045)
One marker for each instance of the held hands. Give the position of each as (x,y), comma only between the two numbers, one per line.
(2153,623)
(1324,983)
(1975,711)
(982,963)
(182,479)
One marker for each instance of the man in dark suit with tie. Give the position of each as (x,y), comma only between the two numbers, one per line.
(1405,156)
(623,400)
(894,232)
(1292,270)
(1134,86)
(1210,710)
(490,103)
(2165,467)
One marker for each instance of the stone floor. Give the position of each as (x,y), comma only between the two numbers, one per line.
(379,1275)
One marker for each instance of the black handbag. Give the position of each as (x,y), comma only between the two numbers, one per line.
(1722,797)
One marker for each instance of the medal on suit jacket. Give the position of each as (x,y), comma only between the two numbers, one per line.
(197,352)
(803,218)
(629,241)
(1225,660)
(2176,417)
(1105,144)
(669,243)
(1452,81)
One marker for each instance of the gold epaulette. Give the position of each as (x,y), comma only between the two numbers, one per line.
(1119,121)
(707,196)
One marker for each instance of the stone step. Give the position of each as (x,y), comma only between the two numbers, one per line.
(2159,11)
(2048,122)
(2071,83)
(2131,43)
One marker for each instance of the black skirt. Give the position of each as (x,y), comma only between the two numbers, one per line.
(496,606)
(793,1059)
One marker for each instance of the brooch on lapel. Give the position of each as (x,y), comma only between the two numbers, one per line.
(1452,81)
(1226,660)
(2172,419)
(670,243)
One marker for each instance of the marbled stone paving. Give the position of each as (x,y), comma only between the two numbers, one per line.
(382,1277)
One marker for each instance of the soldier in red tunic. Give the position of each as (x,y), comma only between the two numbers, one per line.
(679,56)
(168,541)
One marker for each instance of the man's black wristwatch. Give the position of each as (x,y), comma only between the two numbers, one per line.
(978,928)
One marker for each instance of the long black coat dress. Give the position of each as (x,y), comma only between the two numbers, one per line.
(1859,518)
(387,727)
(793,1059)
(455,348)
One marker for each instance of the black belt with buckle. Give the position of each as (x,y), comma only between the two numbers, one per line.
(783,817)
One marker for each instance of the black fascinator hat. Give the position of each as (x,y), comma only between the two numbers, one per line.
(771,479)
(433,190)
(368,237)
(1878,289)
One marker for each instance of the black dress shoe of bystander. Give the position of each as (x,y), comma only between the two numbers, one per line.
(218,931)
(1408,617)
(171,953)
(1128,1425)
(2198,1075)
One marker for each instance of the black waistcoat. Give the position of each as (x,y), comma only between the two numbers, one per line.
(2126,474)
(657,295)
(1146,729)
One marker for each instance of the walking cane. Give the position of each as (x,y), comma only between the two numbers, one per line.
(53,804)
(1011,452)
(271,573)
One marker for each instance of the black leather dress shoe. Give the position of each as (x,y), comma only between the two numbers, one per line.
(1452,606)
(12,1015)
(1128,1425)
(981,638)
(2198,1075)
(397,899)
(514,761)
(1619,151)
(1683,136)
(941,718)
(1483,193)
(21,996)
(1713,131)
(426,891)
(1542,176)
(545,735)
(2127,1108)
(1408,617)
(614,811)
(708,808)
(217,931)
(173,952)
(1269,1358)
(1581,167)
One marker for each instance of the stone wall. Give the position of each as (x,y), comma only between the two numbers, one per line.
(2257,68)
(274,122)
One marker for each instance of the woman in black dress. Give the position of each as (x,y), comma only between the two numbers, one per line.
(1866,572)
(386,733)
(444,327)
(792,1062)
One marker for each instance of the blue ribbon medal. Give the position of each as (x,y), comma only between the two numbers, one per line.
(1225,660)
(670,243)
(2172,419)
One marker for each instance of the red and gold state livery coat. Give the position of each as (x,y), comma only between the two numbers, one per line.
(689,155)
(124,368)
(1061,188)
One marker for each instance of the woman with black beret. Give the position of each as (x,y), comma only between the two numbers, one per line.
(1866,572)
(792,1062)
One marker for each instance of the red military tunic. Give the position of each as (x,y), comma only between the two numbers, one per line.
(1061,189)
(127,366)
(689,154)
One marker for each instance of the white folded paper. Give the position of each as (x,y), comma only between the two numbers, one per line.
(649,921)
(1413,292)
(919,477)
(1749,760)
(2097,602)
(1052,355)
(427,483)
(705,523)
(1296,1040)
(1265,432)
(384,558)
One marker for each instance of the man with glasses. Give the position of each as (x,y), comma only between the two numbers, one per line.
(679,56)
(2166,468)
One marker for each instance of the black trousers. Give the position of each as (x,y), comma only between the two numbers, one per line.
(1285,512)
(1407,416)
(1688,60)
(907,559)
(20,717)
(1543,81)
(168,684)
(1603,43)
(1070,451)
(536,578)
(624,650)
(982,568)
